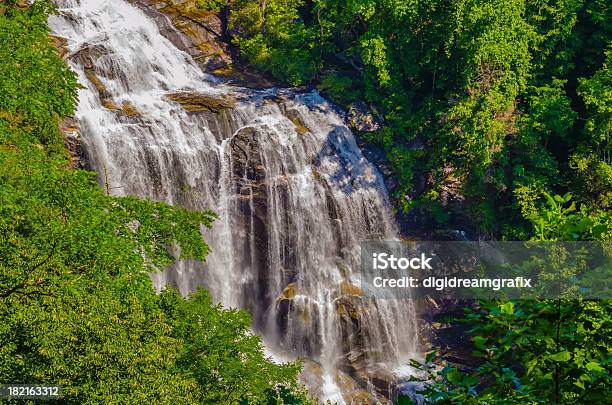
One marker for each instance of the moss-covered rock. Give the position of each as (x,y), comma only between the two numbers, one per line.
(72,140)
(95,80)
(347,306)
(346,288)
(289,292)
(202,29)
(294,117)
(195,102)
(129,110)
(203,35)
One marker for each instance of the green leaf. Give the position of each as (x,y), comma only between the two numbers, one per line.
(530,365)
(561,356)
(594,366)
(507,308)
(454,376)
(479,342)
(469,381)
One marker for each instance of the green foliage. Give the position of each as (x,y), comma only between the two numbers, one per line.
(24,101)
(550,114)
(77,304)
(537,351)
(592,160)
(505,95)
(340,89)
(212,5)
(271,38)
(533,352)
(234,368)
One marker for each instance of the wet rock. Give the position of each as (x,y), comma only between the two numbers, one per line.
(100,87)
(88,55)
(129,110)
(202,31)
(241,77)
(294,117)
(247,167)
(126,108)
(68,126)
(204,36)
(384,382)
(359,361)
(313,374)
(289,292)
(208,52)
(248,171)
(378,378)
(347,307)
(61,44)
(248,178)
(284,306)
(361,118)
(298,319)
(72,141)
(346,288)
(195,102)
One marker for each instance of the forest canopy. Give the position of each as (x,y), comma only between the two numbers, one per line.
(486,105)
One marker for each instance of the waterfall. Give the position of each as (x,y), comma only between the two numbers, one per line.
(293,192)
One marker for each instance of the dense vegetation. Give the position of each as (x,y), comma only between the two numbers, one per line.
(487,104)
(489,107)
(76,302)
(535,351)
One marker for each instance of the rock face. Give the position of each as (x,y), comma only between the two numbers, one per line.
(88,57)
(352,393)
(72,141)
(61,45)
(248,179)
(204,36)
(361,118)
(361,379)
(203,30)
(375,376)
(194,102)
(294,116)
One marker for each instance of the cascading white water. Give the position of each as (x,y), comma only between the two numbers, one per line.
(293,192)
